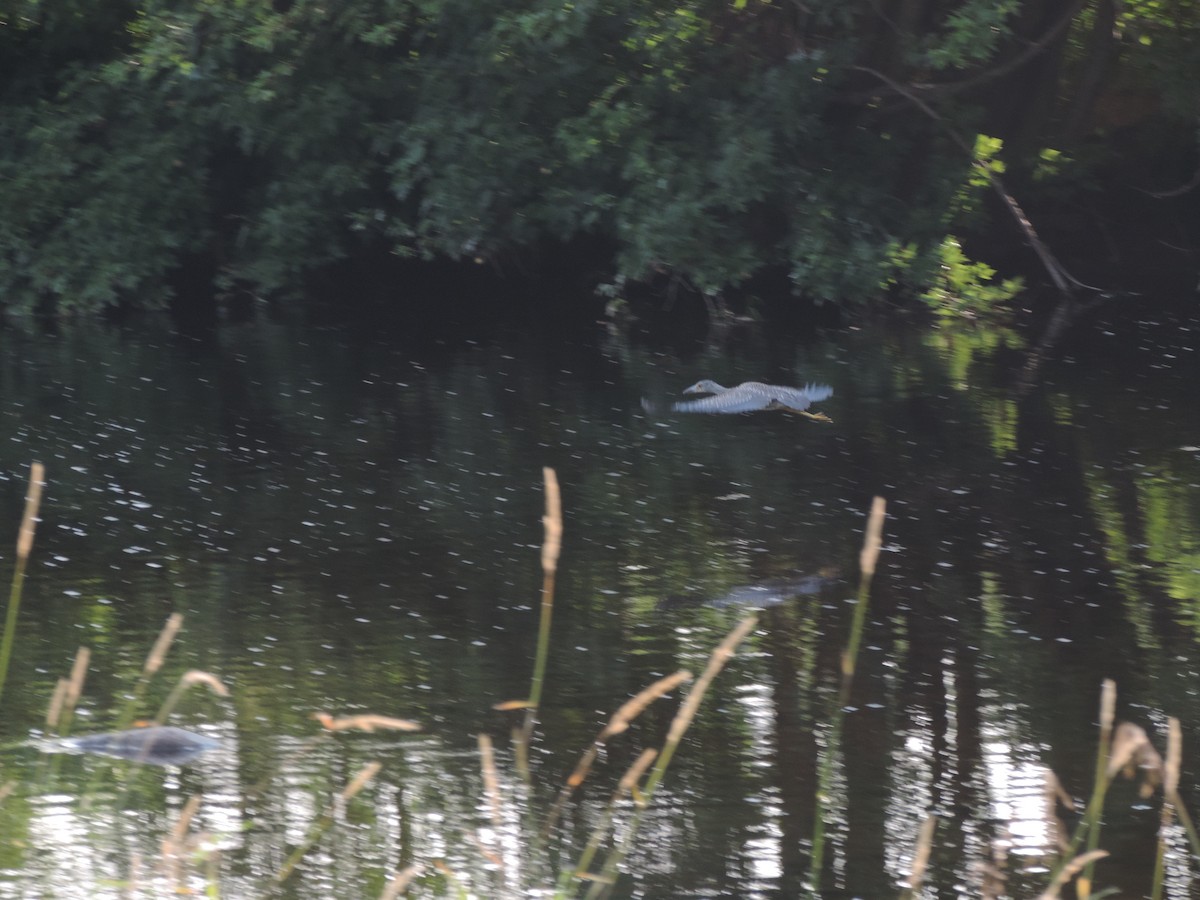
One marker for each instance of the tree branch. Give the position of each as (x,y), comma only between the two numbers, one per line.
(1062,279)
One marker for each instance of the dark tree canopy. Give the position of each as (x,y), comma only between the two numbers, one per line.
(704,140)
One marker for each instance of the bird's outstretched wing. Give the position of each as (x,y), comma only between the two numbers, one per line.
(730,401)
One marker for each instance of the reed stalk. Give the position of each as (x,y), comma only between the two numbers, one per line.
(551,547)
(491,785)
(1171,784)
(154,661)
(325,821)
(33,500)
(175,845)
(1068,870)
(868,558)
(1089,825)
(61,710)
(1108,713)
(619,723)
(186,680)
(921,855)
(1173,808)
(679,726)
(72,690)
(627,785)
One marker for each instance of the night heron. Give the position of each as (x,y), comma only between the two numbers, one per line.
(754,395)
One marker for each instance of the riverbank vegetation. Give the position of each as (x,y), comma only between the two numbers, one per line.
(154,152)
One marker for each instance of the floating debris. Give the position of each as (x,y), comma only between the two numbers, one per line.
(365,722)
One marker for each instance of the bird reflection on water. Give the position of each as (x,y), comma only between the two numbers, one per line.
(761,595)
(158,745)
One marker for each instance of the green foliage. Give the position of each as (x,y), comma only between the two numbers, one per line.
(706,139)
(966,288)
(970,34)
(1050,164)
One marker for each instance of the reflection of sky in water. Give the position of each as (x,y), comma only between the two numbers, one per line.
(352,527)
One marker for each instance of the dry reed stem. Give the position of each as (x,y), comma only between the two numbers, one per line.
(1052,794)
(551,545)
(921,856)
(994,878)
(360,781)
(679,726)
(366,722)
(1092,818)
(83,656)
(174,842)
(636,705)
(1174,756)
(7,788)
(186,680)
(626,784)
(552,522)
(619,723)
(209,680)
(357,783)
(400,883)
(1167,814)
(1055,791)
(509,705)
(73,689)
(491,784)
(56,703)
(873,540)
(158,653)
(622,718)
(1171,784)
(1108,706)
(721,655)
(1069,871)
(634,774)
(33,500)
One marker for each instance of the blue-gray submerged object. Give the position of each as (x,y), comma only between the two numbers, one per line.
(751,396)
(158,745)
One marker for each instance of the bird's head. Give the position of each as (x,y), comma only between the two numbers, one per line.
(704,387)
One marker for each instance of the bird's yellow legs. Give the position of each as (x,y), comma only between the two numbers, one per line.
(816,417)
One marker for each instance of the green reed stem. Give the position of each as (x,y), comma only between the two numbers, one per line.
(867,559)
(154,661)
(1108,712)
(627,784)
(1089,826)
(551,546)
(325,822)
(33,500)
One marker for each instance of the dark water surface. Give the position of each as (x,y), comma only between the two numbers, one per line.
(351,526)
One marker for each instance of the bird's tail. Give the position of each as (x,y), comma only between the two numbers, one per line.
(651,407)
(818,392)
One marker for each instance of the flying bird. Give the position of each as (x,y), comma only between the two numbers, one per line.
(751,396)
